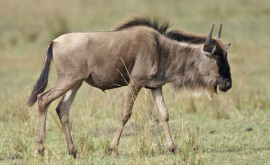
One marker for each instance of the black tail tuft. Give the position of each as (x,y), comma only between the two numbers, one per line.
(43,78)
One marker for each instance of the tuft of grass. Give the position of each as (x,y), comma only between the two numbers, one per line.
(85,144)
(104,145)
(192,147)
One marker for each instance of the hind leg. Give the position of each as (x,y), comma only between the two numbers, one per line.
(44,100)
(63,114)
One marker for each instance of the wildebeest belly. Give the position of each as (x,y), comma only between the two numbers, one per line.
(104,78)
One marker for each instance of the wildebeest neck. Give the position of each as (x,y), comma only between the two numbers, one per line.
(179,62)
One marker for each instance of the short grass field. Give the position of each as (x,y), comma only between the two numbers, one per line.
(233,128)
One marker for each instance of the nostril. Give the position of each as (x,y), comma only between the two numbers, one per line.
(228,84)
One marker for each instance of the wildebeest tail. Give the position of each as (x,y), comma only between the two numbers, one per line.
(43,78)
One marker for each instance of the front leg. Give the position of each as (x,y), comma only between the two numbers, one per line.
(158,97)
(131,96)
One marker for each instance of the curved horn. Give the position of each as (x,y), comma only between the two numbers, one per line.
(219,31)
(209,37)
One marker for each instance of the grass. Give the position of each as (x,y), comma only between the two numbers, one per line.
(208,132)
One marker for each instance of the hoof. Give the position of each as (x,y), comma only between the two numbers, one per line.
(73,153)
(41,151)
(174,150)
(114,153)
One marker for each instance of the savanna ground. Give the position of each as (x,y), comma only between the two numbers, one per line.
(207,132)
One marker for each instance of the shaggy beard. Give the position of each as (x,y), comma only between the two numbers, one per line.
(197,87)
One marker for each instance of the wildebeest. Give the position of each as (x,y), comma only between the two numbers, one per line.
(138,53)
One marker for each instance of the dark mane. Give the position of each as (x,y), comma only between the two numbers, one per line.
(144,21)
(186,37)
(162,28)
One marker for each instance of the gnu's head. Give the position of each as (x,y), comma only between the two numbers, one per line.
(214,65)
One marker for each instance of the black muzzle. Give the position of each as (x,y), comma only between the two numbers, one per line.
(225,84)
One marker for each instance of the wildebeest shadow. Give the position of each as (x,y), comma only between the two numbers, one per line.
(131,129)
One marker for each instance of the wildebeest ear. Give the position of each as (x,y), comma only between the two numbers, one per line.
(227,46)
